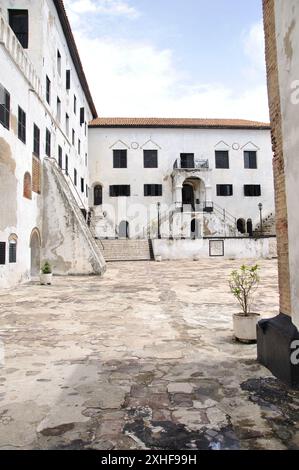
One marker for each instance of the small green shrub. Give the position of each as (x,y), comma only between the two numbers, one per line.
(243,284)
(46,268)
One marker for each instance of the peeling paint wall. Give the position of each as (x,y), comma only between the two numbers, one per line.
(170,143)
(17,214)
(67,241)
(233,248)
(287,34)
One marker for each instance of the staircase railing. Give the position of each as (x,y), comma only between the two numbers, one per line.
(69,181)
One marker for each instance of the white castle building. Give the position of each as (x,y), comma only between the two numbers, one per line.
(45,107)
(124,188)
(180,179)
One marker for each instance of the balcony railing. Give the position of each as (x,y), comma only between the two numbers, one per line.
(191,164)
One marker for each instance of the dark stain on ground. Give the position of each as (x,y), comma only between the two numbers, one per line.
(175,436)
(58,430)
(273,396)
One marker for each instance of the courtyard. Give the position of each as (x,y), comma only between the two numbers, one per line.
(143,358)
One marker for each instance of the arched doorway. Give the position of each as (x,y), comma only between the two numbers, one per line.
(124,229)
(98,195)
(188,195)
(241,226)
(35,245)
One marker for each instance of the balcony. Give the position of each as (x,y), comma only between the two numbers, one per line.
(190,163)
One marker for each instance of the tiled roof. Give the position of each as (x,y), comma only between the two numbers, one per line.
(183,123)
(74,53)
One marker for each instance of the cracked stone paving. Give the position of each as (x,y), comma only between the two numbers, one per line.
(142,358)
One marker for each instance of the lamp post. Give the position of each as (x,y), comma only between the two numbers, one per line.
(158,208)
(261,217)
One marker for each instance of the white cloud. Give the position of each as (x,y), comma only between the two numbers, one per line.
(254,48)
(104,7)
(134,79)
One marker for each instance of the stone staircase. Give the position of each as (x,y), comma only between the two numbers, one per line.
(269,227)
(126,250)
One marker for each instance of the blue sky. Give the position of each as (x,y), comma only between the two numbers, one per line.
(180,58)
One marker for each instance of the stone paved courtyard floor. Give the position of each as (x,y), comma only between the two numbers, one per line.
(143,358)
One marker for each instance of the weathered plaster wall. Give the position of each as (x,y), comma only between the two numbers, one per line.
(282,51)
(170,143)
(233,248)
(67,242)
(19,215)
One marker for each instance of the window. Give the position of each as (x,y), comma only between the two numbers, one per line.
(4,107)
(68,80)
(59,62)
(75,177)
(36,140)
(120,191)
(119,159)
(48,90)
(22,125)
(2,252)
(224,189)
(13,249)
(75,104)
(86,159)
(153,190)
(58,116)
(48,143)
(67,124)
(79,146)
(27,187)
(187,160)
(82,185)
(66,165)
(222,159)
(82,116)
(59,156)
(150,158)
(250,160)
(98,195)
(73,137)
(252,190)
(86,191)
(18,21)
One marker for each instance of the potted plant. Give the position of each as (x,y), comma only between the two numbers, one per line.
(46,274)
(243,284)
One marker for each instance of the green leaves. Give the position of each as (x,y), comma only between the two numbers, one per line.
(243,284)
(46,268)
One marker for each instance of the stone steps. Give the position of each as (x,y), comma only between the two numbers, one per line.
(126,250)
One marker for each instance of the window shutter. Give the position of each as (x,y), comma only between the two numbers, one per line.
(2,252)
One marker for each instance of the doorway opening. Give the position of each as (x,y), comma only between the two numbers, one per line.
(124,229)
(35,246)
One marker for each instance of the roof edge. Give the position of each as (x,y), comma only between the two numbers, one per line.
(66,27)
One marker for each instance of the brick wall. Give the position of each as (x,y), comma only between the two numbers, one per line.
(278,160)
(36,175)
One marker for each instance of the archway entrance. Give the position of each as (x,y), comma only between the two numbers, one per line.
(98,195)
(188,195)
(35,246)
(194,193)
(124,229)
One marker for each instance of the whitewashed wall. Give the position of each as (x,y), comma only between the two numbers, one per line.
(19,215)
(287,33)
(233,248)
(170,143)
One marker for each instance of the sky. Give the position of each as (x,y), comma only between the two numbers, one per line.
(173,58)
